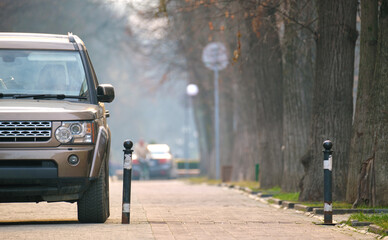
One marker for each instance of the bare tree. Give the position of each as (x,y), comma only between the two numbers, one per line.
(298,47)
(332,99)
(367,182)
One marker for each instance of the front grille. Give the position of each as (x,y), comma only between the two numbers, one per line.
(25,131)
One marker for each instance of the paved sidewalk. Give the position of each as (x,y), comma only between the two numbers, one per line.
(168,210)
(180,211)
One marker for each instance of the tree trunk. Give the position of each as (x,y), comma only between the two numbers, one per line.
(245,150)
(203,114)
(267,63)
(226,118)
(380,101)
(204,123)
(298,74)
(244,128)
(361,150)
(373,179)
(332,99)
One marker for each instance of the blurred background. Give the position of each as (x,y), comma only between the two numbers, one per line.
(289,84)
(148,104)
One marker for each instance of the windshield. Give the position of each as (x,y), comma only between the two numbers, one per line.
(33,72)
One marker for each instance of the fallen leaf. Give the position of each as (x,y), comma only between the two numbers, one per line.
(211,27)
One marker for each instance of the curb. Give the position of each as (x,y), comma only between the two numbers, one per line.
(275,201)
(377,229)
(313,211)
(287,204)
(356,223)
(303,208)
(350,211)
(264,195)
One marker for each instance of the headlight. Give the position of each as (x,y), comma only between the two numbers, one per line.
(63,135)
(75,132)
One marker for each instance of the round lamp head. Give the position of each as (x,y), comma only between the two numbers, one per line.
(192,89)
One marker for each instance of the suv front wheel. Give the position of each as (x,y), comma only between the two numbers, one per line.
(93,207)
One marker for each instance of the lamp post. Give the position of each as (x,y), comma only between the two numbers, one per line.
(191,91)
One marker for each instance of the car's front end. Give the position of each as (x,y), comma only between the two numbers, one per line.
(47,149)
(54,136)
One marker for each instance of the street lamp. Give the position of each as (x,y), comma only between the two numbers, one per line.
(191,91)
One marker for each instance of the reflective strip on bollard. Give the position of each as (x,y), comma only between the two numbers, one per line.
(126,207)
(127,161)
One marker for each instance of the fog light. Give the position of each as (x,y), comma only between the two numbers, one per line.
(73,160)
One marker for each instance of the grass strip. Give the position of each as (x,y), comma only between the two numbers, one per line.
(292,197)
(279,194)
(379,219)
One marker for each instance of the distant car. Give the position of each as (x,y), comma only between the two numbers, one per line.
(161,163)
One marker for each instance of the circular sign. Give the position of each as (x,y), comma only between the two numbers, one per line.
(214,56)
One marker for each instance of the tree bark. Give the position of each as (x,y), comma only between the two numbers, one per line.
(361,150)
(332,99)
(262,63)
(267,63)
(245,149)
(298,73)
(372,178)
(226,117)
(244,128)
(203,120)
(379,192)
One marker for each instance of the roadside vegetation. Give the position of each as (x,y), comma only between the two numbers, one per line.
(199,180)
(277,192)
(380,219)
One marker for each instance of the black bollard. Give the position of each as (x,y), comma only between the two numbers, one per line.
(327,171)
(127,175)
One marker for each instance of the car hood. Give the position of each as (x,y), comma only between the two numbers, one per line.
(21,109)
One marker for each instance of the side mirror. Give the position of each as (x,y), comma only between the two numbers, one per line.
(105,93)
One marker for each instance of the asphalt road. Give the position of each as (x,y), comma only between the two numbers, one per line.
(168,210)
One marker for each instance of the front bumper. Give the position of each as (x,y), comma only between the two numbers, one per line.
(38,190)
(44,174)
(22,158)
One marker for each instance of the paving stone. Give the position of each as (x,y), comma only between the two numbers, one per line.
(168,210)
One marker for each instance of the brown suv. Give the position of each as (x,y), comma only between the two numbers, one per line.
(54,137)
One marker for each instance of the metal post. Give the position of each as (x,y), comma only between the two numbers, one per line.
(216,124)
(186,132)
(257,168)
(327,171)
(127,175)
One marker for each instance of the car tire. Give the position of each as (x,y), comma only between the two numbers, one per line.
(93,207)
